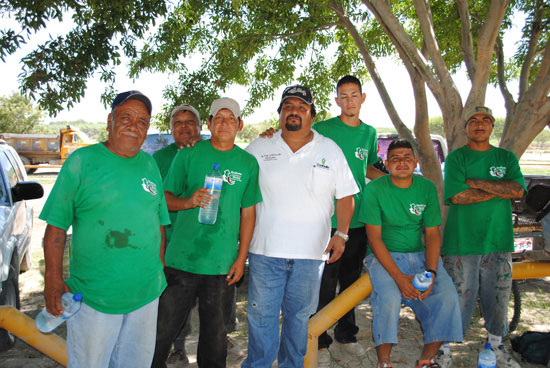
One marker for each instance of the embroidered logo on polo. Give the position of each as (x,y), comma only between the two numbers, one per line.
(361,153)
(497,171)
(231,177)
(322,164)
(417,209)
(149,186)
(270,156)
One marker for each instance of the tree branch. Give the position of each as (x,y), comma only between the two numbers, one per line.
(508,98)
(536,30)
(467,45)
(280,36)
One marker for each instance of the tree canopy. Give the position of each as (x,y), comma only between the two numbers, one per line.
(263,45)
(18,115)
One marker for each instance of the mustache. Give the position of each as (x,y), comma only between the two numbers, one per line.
(293,116)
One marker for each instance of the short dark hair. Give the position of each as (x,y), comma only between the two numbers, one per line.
(349,79)
(399,143)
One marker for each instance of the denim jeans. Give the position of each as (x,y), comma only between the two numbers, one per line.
(174,307)
(344,272)
(100,340)
(275,285)
(489,277)
(439,313)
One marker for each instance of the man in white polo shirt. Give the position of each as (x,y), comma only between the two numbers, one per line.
(301,173)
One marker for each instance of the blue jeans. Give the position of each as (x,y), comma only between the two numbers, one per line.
(290,285)
(175,305)
(439,313)
(98,340)
(489,277)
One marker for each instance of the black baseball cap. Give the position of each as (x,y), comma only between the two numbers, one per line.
(131,95)
(301,92)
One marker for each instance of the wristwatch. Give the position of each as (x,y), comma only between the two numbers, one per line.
(341,234)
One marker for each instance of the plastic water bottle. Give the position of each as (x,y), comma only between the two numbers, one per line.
(487,358)
(213,182)
(45,322)
(422,280)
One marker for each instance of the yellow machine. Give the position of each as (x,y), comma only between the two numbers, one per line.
(51,150)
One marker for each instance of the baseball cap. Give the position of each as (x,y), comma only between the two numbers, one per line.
(225,103)
(298,91)
(131,95)
(478,110)
(183,108)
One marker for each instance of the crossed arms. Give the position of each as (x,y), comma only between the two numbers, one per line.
(482,190)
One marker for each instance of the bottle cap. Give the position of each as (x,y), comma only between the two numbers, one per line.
(488,346)
(77,297)
(428,275)
(216,166)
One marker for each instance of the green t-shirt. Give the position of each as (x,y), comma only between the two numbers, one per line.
(403,213)
(210,249)
(116,206)
(360,147)
(164,158)
(484,227)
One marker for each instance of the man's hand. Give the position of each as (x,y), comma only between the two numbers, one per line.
(189,142)
(425,294)
(408,291)
(268,133)
(201,198)
(235,272)
(54,288)
(337,245)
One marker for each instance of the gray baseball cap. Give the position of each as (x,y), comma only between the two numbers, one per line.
(225,103)
(183,108)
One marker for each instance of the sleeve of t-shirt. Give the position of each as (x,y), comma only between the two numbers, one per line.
(514,173)
(432,213)
(455,176)
(177,174)
(58,210)
(252,193)
(370,208)
(345,182)
(373,150)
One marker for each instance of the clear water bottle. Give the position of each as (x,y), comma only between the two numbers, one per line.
(487,358)
(45,322)
(213,182)
(422,280)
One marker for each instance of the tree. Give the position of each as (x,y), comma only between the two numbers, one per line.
(265,45)
(18,115)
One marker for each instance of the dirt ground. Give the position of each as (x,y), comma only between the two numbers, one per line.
(535,316)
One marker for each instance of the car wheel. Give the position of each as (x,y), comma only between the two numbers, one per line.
(27,161)
(9,296)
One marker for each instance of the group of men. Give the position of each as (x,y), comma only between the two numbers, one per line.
(298,207)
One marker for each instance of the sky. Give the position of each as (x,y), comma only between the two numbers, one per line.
(152,84)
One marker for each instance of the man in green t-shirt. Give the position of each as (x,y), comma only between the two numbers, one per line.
(205,260)
(400,210)
(111,193)
(358,142)
(480,180)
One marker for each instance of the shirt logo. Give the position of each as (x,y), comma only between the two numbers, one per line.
(417,209)
(322,165)
(361,153)
(149,186)
(270,156)
(231,177)
(497,171)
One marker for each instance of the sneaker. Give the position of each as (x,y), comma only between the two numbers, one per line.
(178,356)
(505,359)
(323,358)
(234,349)
(444,357)
(353,348)
(428,363)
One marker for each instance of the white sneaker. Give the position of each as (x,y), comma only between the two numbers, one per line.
(353,348)
(444,357)
(323,358)
(504,359)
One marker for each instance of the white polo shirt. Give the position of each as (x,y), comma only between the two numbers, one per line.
(298,190)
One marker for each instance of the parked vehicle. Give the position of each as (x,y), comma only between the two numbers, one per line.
(15,229)
(52,150)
